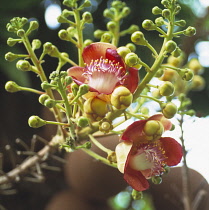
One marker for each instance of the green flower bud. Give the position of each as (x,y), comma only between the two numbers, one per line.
(86,3)
(138,38)
(190,31)
(131,46)
(177,52)
(165,3)
(64,35)
(121,97)
(49,103)
(156,10)
(123,51)
(180,23)
(166,169)
(95,108)
(182,96)
(195,66)
(159,21)
(47,47)
(69,3)
(82,122)
(169,110)
(87,42)
(198,83)
(87,17)
(42,98)
(148,25)
(23,65)
(11,42)
(186,74)
(36,122)
(156,179)
(98,34)
(166,13)
(136,195)
(36,44)
(125,11)
(33,25)
(74,88)
(191,112)
(156,94)
(21,33)
(66,13)
(166,89)
(177,9)
(54,52)
(170,46)
(111,25)
(133,28)
(12,87)
(68,80)
(108,14)
(153,130)
(62,19)
(11,56)
(83,89)
(45,85)
(105,126)
(131,59)
(117,4)
(106,37)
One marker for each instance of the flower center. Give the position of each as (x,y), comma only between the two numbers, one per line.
(149,159)
(103,75)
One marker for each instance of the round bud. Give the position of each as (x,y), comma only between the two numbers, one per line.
(159,21)
(156,179)
(180,23)
(106,37)
(170,46)
(12,87)
(138,38)
(123,51)
(63,34)
(87,17)
(166,89)
(47,47)
(169,75)
(121,97)
(98,34)
(11,42)
(45,85)
(82,122)
(23,65)
(83,89)
(136,195)
(62,19)
(190,31)
(131,46)
(21,33)
(169,110)
(165,3)
(198,83)
(148,25)
(153,130)
(33,25)
(191,112)
(125,11)
(177,52)
(195,66)
(66,13)
(108,14)
(36,44)
(187,74)
(95,108)
(87,42)
(131,59)
(156,94)
(11,56)
(111,25)
(42,98)
(166,13)
(68,80)
(49,103)
(86,3)
(36,122)
(156,10)
(133,28)
(105,126)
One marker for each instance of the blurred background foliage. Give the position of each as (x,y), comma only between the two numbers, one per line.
(13,122)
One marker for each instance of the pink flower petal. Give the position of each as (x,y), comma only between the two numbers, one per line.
(173,150)
(159,117)
(133,132)
(132,80)
(95,51)
(76,72)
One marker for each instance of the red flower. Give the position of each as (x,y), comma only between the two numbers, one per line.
(104,70)
(140,158)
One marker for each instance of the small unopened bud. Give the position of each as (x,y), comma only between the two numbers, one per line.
(87,42)
(111,25)
(64,35)
(33,25)
(131,59)
(195,66)
(133,28)
(23,65)
(36,44)
(11,42)
(108,14)
(54,52)
(82,121)
(68,80)
(21,33)
(177,52)
(148,25)
(190,31)
(166,169)
(125,11)
(165,3)
(98,34)
(87,17)
(49,103)
(83,89)
(166,89)
(159,21)
(186,74)
(131,46)
(156,10)
(12,87)
(86,3)
(47,47)
(62,19)
(177,9)
(11,56)
(169,110)
(36,122)
(121,98)
(138,38)
(136,195)
(166,13)
(106,37)
(156,179)
(95,108)
(170,46)
(153,130)
(123,51)
(42,98)
(180,23)
(198,83)
(66,13)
